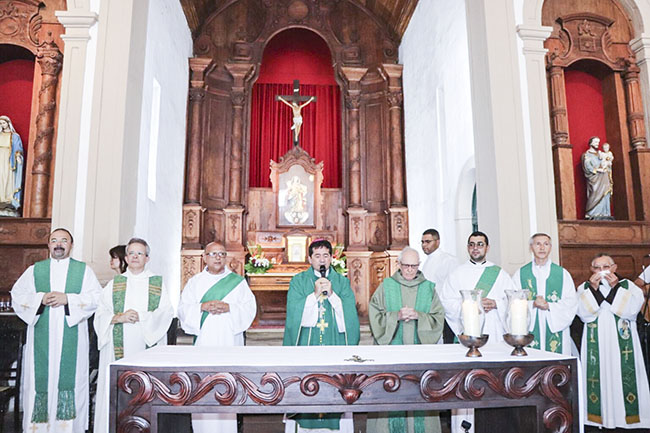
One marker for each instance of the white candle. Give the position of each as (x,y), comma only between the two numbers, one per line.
(470,318)
(519,317)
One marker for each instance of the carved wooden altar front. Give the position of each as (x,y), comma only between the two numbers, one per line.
(333,379)
(369,212)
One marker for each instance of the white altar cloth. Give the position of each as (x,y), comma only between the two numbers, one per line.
(318,356)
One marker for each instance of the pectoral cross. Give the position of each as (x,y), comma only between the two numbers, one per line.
(34,427)
(293,101)
(322,325)
(627,352)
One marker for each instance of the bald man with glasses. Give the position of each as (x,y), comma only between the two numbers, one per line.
(405,309)
(216,306)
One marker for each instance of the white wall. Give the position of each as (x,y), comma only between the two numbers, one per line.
(159,221)
(439,136)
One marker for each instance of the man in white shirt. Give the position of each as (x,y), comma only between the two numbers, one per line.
(436,268)
(216,306)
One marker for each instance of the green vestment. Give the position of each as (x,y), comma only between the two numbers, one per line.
(386,329)
(301,286)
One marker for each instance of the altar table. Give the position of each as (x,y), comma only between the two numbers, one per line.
(259,379)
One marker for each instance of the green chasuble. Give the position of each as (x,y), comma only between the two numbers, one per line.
(301,286)
(394,293)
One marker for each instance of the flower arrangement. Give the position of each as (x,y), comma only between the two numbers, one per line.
(257,263)
(339,261)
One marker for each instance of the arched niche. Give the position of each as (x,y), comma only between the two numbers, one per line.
(295,54)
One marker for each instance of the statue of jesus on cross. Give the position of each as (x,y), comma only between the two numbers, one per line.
(293,102)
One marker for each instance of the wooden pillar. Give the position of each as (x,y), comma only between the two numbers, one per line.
(50,60)
(634,105)
(640,154)
(192,210)
(565,193)
(355,211)
(197,94)
(398,211)
(234,212)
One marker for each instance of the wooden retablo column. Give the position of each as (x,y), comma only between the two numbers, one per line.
(565,193)
(398,211)
(50,60)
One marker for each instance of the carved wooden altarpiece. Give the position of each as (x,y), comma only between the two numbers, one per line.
(368,213)
(31,25)
(600,32)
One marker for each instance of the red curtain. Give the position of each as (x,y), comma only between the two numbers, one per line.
(271,136)
(295,54)
(16,81)
(586,115)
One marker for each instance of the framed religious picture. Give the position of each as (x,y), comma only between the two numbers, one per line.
(297,248)
(296,182)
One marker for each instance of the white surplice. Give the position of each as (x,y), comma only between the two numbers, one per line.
(226,329)
(465,277)
(626,304)
(26,302)
(149,331)
(560,314)
(438,265)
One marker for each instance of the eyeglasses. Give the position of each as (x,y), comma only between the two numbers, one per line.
(407,266)
(476,244)
(63,241)
(136,253)
(220,254)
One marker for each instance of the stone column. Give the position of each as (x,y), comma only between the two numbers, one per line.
(397,210)
(562,150)
(234,212)
(49,59)
(74,116)
(503,197)
(538,143)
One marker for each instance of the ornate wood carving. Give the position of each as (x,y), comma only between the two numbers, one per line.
(20,22)
(298,156)
(191,264)
(192,216)
(50,60)
(634,105)
(352,103)
(359,275)
(198,65)
(399,227)
(552,388)
(393,76)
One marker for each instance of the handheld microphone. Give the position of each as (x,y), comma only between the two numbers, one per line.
(323,273)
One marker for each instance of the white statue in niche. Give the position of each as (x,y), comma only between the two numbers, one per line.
(297,200)
(11,168)
(598,173)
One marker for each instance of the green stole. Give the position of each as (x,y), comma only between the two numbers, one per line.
(119,293)
(65,406)
(218,291)
(555,280)
(487,279)
(628,371)
(423,299)
(485,283)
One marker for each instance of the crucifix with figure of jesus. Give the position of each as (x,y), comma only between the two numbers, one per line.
(293,101)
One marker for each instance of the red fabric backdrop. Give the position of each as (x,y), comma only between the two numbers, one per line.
(295,54)
(16,79)
(586,114)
